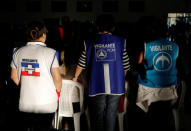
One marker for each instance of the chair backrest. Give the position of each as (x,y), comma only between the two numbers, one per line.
(70,92)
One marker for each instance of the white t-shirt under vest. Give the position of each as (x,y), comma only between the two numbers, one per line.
(38,92)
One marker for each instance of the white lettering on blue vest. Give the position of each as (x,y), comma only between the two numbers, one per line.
(111,45)
(161,48)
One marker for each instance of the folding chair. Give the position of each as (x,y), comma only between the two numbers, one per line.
(71,92)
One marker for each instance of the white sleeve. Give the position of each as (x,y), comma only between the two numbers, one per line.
(55,61)
(14,59)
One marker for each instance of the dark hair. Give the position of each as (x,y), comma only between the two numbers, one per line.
(159,28)
(105,22)
(35,30)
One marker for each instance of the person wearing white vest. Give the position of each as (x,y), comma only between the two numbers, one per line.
(35,69)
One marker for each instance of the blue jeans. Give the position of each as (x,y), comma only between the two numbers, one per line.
(103,112)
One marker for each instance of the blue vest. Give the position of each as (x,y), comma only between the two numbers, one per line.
(105,63)
(160,64)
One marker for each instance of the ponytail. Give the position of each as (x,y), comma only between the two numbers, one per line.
(35,31)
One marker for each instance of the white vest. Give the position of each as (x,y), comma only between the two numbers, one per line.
(38,92)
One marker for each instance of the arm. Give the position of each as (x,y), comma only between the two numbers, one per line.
(126,62)
(81,64)
(125,72)
(140,60)
(78,72)
(57,78)
(140,65)
(14,76)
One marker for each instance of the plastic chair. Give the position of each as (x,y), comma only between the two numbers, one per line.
(71,92)
(122,109)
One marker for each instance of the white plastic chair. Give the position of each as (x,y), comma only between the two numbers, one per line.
(121,114)
(71,92)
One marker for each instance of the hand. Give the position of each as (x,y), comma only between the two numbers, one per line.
(75,79)
(58,93)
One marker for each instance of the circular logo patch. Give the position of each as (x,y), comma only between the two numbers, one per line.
(162,61)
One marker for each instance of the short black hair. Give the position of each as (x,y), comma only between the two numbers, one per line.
(105,22)
(159,28)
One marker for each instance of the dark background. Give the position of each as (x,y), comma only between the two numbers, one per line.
(77,18)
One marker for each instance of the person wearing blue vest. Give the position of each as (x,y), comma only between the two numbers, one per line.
(107,63)
(158,83)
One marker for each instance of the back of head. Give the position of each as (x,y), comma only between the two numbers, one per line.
(159,29)
(105,22)
(35,30)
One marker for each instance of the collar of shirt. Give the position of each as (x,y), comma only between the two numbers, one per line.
(36,43)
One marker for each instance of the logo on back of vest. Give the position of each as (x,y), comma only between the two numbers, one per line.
(101,54)
(105,52)
(162,61)
(30,67)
